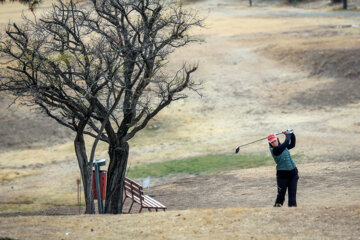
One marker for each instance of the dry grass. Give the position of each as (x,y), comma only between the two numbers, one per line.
(8,175)
(37,157)
(252,69)
(206,125)
(229,223)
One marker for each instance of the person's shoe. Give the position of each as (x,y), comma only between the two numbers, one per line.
(278,205)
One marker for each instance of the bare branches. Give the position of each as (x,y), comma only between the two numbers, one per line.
(102,65)
(168,91)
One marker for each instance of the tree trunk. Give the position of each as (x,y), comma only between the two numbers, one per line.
(86,173)
(116,174)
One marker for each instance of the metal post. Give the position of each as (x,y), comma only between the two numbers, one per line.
(79,192)
(97,178)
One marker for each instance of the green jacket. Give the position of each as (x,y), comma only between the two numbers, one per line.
(281,154)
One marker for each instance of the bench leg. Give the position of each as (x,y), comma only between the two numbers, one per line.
(131,207)
(140,209)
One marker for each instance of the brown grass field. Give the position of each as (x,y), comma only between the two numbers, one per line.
(265,69)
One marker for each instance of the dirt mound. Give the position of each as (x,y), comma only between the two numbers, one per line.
(341,69)
(332,63)
(321,52)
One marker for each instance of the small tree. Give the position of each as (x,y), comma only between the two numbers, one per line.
(99,72)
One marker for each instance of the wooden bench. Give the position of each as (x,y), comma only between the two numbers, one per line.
(135,192)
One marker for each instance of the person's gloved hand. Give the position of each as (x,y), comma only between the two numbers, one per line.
(288,131)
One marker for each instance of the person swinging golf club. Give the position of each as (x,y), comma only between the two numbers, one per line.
(286,171)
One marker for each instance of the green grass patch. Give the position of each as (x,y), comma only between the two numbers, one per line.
(202,164)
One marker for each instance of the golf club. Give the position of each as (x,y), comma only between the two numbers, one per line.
(238,148)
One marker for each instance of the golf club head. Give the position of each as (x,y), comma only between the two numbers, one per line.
(237,150)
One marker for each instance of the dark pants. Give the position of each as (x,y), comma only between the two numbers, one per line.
(287,180)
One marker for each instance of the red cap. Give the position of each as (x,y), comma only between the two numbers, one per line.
(272,137)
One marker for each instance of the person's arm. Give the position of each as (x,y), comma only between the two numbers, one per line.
(292,141)
(279,149)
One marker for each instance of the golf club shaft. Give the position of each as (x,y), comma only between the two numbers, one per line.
(256,141)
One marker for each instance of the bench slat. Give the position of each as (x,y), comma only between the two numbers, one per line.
(132,183)
(153,202)
(130,193)
(133,189)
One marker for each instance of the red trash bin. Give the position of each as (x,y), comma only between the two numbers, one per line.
(103,180)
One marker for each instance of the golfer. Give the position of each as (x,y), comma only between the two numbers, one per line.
(286,171)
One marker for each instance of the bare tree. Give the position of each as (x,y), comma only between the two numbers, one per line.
(99,71)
